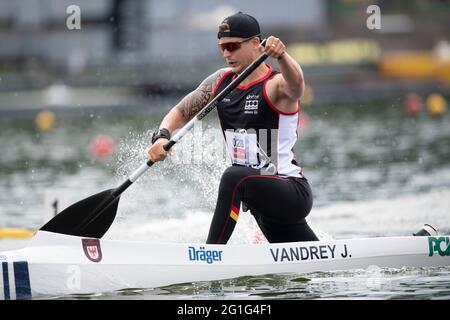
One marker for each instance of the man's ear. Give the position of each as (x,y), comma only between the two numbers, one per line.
(256,42)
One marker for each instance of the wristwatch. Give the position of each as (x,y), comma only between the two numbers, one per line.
(281,55)
(162,133)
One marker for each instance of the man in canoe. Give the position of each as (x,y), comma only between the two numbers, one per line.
(259,120)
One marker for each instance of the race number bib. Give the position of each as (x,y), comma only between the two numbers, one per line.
(242,147)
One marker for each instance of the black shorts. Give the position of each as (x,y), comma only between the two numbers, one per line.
(279,205)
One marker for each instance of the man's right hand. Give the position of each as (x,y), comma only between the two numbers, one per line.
(156,152)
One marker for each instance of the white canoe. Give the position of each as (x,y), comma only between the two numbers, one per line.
(54,264)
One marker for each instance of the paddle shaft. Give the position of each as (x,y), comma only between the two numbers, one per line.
(202,113)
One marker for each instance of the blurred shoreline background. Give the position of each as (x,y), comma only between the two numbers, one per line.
(128,54)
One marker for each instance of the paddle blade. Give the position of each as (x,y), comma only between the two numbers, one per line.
(90,217)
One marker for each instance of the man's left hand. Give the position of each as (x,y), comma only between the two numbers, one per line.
(274,47)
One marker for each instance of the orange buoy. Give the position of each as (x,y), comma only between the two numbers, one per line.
(102,146)
(16,233)
(45,120)
(436,104)
(412,104)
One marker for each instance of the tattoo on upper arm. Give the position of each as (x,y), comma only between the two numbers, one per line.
(190,105)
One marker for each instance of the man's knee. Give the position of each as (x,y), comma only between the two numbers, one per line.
(232,175)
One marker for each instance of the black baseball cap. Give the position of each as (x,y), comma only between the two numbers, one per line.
(239,25)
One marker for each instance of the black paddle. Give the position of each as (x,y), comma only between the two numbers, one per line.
(93,216)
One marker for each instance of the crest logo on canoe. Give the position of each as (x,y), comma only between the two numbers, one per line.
(92,249)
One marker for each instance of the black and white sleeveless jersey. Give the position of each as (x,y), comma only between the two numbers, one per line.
(255,130)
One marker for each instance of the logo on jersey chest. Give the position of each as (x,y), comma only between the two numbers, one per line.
(251,104)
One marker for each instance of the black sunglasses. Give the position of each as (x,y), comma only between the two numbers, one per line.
(233,46)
